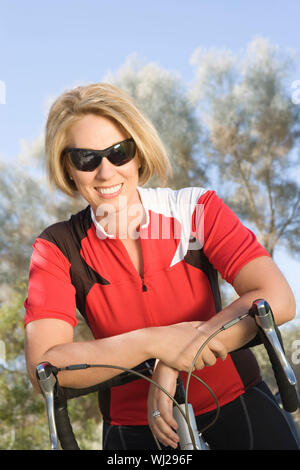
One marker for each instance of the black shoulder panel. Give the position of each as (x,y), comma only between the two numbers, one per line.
(198,259)
(68,236)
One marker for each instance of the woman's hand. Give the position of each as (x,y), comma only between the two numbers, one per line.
(162,425)
(177,345)
(191,336)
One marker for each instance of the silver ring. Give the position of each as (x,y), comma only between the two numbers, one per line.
(156,414)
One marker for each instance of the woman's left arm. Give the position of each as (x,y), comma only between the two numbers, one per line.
(258,279)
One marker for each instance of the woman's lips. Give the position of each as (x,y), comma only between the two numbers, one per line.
(109,191)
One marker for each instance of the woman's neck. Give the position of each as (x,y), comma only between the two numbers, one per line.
(123,223)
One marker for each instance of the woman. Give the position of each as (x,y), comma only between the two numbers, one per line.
(141,267)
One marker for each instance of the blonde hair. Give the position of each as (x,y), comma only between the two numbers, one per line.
(113,103)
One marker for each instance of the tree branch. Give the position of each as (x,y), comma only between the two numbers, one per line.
(289,220)
(249,191)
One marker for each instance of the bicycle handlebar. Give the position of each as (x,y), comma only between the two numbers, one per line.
(47,382)
(56,397)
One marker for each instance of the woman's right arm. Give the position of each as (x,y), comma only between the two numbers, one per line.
(51,340)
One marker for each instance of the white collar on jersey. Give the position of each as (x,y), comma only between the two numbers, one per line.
(178,204)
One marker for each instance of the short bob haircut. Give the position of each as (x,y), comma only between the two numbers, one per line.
(113,103)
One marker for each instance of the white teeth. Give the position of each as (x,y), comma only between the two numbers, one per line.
(111,190)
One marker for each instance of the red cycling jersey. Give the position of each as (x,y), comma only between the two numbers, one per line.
(188,236)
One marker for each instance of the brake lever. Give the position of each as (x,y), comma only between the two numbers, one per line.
(263,314)
(271,338)
(185,439)
(47,382)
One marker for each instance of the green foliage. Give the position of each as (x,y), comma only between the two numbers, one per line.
(22,410)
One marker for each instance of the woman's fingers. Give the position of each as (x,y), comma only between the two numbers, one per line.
(214,349)
(218,348)
(181,343)
(164,432)
(164,425)
(166,411)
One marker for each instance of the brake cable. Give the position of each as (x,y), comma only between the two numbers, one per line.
(185,414)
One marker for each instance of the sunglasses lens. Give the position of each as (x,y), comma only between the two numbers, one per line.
(89,160)
(85,160)
(122,153)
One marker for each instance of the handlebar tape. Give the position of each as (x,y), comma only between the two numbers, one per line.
(64,428)
(63,394)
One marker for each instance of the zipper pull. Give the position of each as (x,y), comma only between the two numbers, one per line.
(144,287)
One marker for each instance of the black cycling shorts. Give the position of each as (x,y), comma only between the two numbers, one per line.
(253,421)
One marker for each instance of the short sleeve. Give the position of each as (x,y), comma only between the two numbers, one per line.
(227,243)
(50,291)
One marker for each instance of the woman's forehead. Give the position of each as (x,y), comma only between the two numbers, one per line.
(92,131)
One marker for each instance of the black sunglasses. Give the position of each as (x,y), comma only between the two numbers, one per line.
(88,160)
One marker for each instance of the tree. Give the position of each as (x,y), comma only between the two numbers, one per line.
(26,208)
(253,129)
(22,411)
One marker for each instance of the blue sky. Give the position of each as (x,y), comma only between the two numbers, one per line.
(46,46)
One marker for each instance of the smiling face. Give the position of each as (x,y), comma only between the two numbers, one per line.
(110,190)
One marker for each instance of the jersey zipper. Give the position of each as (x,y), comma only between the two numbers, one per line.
(144,287)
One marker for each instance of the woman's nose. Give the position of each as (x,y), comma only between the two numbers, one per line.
(105,170)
